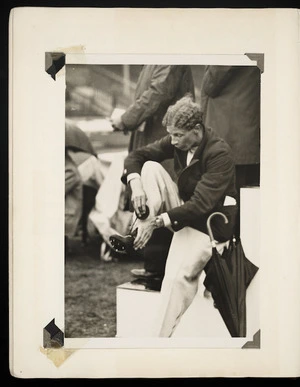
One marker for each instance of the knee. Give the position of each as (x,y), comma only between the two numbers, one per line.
(150,168)
(190,274)
(185,278)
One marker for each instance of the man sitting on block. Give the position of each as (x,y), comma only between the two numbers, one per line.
(205,183)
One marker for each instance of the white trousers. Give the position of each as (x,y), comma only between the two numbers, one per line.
(189,252)
(90,172)
(108,198)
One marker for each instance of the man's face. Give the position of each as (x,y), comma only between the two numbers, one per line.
(181,138)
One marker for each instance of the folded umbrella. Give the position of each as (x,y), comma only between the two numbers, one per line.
(228,276)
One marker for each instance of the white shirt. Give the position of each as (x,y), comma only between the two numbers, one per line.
(190,155)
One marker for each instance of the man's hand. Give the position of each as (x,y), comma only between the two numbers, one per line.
(144,232)
(117,123)
(106,232)
(138,197)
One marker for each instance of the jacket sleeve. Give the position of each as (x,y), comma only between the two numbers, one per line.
(215,79)
(158,151)
(208,192)
(162,89)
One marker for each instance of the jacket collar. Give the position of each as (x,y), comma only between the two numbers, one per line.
(197,155)
(200,148)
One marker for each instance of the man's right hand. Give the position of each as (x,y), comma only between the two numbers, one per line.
(117,123)
(138,197)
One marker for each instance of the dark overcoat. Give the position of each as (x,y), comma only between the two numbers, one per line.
(158,87)
(230,99)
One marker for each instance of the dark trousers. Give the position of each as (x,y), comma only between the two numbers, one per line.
(156,251)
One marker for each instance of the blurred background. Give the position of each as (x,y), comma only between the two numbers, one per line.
(92,94)
(94,91)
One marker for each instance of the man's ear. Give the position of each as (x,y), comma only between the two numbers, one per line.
(197,128)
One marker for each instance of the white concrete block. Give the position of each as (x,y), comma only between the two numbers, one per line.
(135,310)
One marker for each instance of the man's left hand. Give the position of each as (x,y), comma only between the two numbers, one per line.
(145,229)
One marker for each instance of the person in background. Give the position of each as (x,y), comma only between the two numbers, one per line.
(230,100)
(83,178)
(205,183)
(158,87)
(73,198)
(81,150)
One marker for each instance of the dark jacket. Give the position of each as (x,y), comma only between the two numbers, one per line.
(202,185)
(158,87)
(230,99)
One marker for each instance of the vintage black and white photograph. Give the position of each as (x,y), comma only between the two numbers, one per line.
(154,192)
(162,177)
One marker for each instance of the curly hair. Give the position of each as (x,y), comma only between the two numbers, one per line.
(184,114)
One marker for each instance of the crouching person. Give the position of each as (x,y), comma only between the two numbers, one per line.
(205,183)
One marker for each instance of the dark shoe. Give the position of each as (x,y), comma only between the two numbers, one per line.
(142,273)
(122,244)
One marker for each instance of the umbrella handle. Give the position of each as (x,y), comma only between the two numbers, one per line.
(209,227)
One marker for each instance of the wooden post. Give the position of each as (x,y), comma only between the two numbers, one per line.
(126,80)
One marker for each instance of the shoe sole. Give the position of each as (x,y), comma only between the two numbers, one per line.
(121,246)
(154,277)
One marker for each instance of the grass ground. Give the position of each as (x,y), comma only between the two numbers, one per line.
(90,290)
